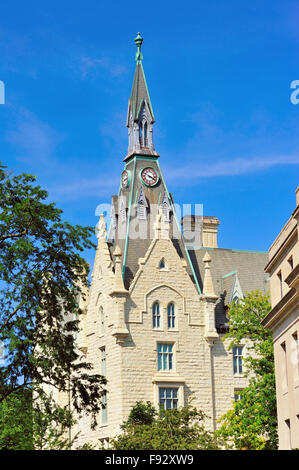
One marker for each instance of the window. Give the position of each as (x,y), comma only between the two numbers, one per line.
(141,206)
(141,210)
(284,367)
(162,264)
(103,362)
(165,356)
(145,134)
(168,398)
(238,359)
(237,395)
(123,211)
(102,319)
(280,284)
(140,134)
(156,315)
(104,408)
(171,315)
(296,350)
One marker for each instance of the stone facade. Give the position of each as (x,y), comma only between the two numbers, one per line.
(202,364)
(283,321)
(155,314)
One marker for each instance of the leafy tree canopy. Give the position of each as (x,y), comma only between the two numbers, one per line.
(41,271)
(175,429)
(252,422)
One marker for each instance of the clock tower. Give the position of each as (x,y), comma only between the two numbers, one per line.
(143,191)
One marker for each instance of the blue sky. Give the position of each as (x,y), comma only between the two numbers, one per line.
(219,76)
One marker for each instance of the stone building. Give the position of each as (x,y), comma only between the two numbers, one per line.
(156,309)
(283,321)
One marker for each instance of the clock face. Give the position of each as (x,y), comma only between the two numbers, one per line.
(125,179)
(149,176)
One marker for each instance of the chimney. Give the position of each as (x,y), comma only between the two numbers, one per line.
(210,231)
(200,230)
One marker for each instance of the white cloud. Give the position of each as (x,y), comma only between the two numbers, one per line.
(35,139)
(233,167)
(87,65)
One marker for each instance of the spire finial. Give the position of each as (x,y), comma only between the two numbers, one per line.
(138,41)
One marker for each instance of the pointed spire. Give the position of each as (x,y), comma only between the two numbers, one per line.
(140,117)
(208,287)
(140,92)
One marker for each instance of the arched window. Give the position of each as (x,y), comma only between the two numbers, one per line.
(145,134)
(171,315)
(162,264)
(156,315)
(141,206)
(123,213)
(141,211)
(102,320)
(140,134)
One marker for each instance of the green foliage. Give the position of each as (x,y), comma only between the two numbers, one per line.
(252,422)
(16,421)
(51,424)
(141,413)
(175,429)
(28,422)
(41,273)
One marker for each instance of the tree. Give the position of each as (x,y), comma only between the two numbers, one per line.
(41,271)
(16,421)
(175,429)
(252,422)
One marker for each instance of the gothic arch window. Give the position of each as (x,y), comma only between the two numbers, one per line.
(141,206)
(145,134)
(141,210)
(102,320)
(140,134)
(171,315)
(123,214)
(165,206)
(162,264)
(156,315)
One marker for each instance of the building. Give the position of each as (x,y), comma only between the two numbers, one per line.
(283,321)
(155,314)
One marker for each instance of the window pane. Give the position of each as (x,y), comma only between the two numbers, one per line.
(168,398)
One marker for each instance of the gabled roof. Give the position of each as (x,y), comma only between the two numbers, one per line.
(228,265)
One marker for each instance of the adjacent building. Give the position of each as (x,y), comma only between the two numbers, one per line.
(283,321)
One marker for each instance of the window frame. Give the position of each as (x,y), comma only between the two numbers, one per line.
(238,366)
(171,398)
(165,358)
(156,317)
(171,317)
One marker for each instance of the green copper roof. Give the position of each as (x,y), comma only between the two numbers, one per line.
(139,90)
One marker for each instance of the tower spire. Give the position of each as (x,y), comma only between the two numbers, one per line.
(140,117)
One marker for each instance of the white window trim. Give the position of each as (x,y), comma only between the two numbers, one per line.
(238,374)
(171,382)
